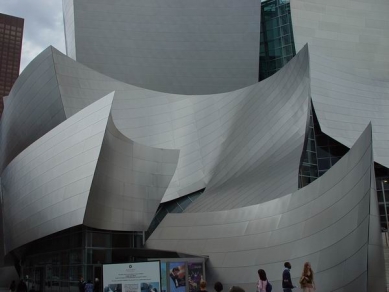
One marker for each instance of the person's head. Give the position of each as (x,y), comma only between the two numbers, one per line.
(97,280)
(203,285)
(287,265)
(218,286)
(175,270)
(307,269)
(262,275)
(236,289)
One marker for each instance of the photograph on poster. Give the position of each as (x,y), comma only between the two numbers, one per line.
(195,276)
(149,287)
(113,288)
(177,277)
(130,287)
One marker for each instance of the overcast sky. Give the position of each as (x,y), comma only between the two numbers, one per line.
(43,25)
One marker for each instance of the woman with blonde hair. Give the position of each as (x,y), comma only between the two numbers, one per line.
(306,281)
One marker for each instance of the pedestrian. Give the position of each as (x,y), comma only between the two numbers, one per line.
(97,285)
(89,287)
(236,289)
(263,284)
(22,287)
(81,284)
(218,287)
(203,286)
(287,284)
(12,287)
(306,280)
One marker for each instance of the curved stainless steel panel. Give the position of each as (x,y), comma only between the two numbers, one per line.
(84,171)
(185,47)
(349,54)
(33,108)
(202,127)
(264,143)
(46,187)
(129,183)
(332,223)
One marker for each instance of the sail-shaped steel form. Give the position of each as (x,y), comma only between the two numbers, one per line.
(349,53)
(333,223)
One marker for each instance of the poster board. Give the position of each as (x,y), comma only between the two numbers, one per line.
(132,277)
(181,274)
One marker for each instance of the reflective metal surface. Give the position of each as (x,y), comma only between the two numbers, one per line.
(32,108)
(332,223)
(84,171)
(206,129)
(46,187)
(129,183)
(349,53)
(185,47)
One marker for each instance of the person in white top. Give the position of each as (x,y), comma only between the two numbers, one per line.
(262,282)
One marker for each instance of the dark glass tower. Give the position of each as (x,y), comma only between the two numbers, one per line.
(11,35)
(276,43)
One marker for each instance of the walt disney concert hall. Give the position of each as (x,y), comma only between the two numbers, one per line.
(242,133)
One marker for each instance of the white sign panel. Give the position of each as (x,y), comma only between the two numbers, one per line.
(132,277)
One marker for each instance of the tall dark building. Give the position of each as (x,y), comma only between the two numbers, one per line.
(11,35)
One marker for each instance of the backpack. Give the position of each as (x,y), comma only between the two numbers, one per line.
(269,287)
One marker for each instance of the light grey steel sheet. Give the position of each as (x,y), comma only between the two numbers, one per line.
(349,54)
(129,183)
(84,171)
(33,108)
(46,187)
(205,128)
(185,47)
(332,223)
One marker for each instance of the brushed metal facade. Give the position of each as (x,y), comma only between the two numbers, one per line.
(333,223)
(349,51)
(129,183)
(204,128)
(84,171)
(32,108)
(45,188)
(185,47)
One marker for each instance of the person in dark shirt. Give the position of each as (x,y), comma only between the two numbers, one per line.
(287,284)
(89,287)
(218,287)
(22,287)
(81,285)
(12,287)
